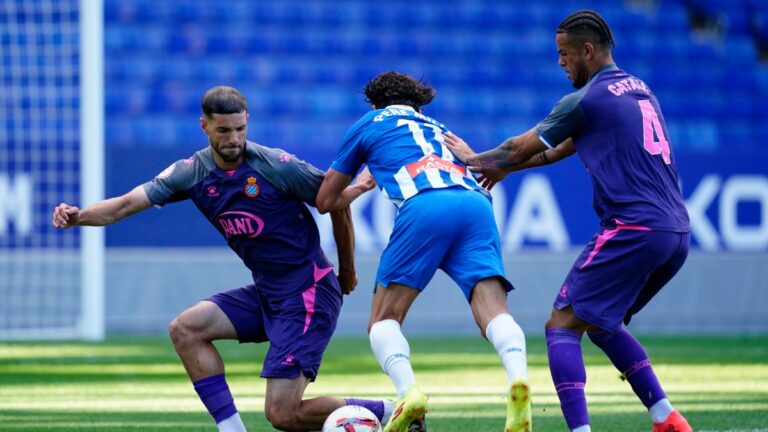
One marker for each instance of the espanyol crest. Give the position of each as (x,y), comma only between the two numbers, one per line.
(251,188)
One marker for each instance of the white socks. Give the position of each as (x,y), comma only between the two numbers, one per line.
(389,406)
(661,410)
(508,339)
(393,353)
(232,424)
(583,428)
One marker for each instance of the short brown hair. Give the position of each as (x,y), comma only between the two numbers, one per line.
(223,100)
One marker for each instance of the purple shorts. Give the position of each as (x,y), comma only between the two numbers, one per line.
(619,272)
(298,327)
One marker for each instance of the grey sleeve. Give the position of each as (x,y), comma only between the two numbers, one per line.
(172,184)
(564,121)
(303,179)
(291,175)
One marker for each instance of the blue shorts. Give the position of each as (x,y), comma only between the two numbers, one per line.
(619,272)
(298,328)
(450,229)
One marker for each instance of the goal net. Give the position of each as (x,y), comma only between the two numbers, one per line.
(51,151)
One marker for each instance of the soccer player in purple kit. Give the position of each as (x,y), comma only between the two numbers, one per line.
(614,123)
(255,196)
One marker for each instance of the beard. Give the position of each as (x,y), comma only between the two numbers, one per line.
(580,76)
(231,155)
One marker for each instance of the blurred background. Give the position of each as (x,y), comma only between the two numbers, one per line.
(302,66)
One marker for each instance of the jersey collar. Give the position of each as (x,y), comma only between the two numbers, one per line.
(405,107)
(606,68)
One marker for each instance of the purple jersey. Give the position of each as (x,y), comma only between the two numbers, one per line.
(620,135)
(258,208)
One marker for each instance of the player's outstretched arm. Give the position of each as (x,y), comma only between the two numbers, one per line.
(103,212)
(514,154)
(548,156)
(334,193)
(513,151)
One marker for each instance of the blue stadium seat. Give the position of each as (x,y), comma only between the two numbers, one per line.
(741,48)
(760,74)
(492,62)
(672,17)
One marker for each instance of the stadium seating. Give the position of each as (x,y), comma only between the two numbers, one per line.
(302,65)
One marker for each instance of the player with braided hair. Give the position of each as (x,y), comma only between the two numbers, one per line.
(613,121)
(581,24)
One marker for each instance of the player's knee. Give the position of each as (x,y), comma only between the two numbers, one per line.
(283,418)
(598,337)
(180,331)
(550,324)
(175,331)
(387,313)
(566,319)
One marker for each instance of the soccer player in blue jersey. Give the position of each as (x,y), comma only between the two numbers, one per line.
(437,197)
(614,123)
(255,197)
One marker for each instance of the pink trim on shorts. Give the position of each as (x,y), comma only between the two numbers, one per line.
(309,295)
(609,234)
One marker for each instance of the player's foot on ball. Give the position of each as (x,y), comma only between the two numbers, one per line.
(418,425)
(674,423)
(519,408)
(411,406)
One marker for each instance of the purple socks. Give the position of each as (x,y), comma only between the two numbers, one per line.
(568,374)
(567,367)
(214,392)
(630,359)
(376,406)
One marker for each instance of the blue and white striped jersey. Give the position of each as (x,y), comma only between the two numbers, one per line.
(405,153)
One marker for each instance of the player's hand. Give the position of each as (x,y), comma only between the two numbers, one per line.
(65,216)
(458,147)
(365,180)
(488,177)
(347,280)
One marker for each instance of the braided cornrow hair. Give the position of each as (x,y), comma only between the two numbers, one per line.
(588,25)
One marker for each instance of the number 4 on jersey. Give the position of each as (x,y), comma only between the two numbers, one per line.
(654,140)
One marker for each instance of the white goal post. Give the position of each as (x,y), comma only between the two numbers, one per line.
(51,151)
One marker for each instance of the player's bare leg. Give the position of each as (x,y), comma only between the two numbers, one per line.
(392,302)
(193,333)
(285,409)
(489,307)
(389,308)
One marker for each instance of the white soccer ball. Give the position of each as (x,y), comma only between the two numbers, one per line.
(352,418)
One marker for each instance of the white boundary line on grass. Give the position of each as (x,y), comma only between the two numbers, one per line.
(736,430)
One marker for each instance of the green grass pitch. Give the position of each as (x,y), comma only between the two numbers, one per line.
(721,384)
